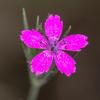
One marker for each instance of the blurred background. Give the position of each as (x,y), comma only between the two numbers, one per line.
(84,16)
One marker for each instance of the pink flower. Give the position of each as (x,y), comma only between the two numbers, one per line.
(53,47)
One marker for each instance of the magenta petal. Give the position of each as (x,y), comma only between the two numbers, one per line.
(73,42)
(65,63)
(33,39)
(53,27)
(41,63)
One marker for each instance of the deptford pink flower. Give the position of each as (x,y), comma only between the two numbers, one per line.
(53,47)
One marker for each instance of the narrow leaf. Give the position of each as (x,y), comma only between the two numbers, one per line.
(25,22)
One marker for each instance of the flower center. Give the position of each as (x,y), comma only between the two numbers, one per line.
(53,47)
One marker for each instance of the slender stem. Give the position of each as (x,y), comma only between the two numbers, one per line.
(34,88)
(35,82)
(33,93)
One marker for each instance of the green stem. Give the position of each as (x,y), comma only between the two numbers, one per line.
(35,82)
(33,93)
